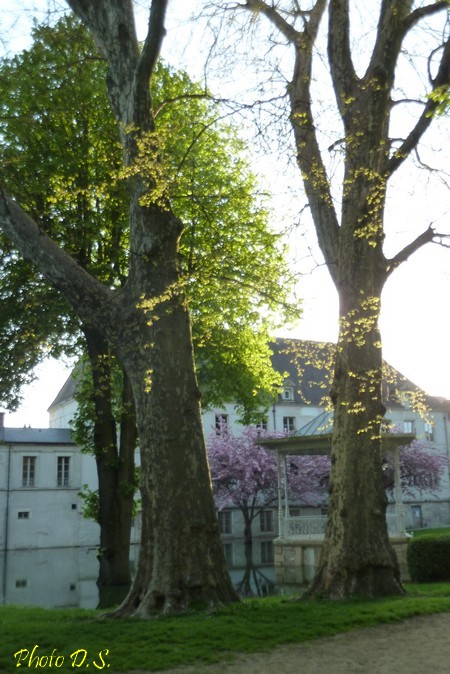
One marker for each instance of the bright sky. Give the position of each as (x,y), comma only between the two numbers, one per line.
(415,317)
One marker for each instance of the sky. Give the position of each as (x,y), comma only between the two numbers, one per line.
(415,320)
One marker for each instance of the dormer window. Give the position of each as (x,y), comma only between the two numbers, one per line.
(288,394)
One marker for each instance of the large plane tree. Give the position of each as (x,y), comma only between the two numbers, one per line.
(357,556)
(147,324)
(61,168)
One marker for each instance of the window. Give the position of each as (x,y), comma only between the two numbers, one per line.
(266,552)
(266,520)
(62,479)
(429,432)
(417,517)
(23,515)
(288,424)
(288,394)
(228,553)
(28,471)
(261,425)
(408,426)
(422,481)
(21,583)
(225,521)
(221,424)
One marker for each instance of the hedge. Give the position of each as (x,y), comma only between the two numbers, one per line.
(429,559)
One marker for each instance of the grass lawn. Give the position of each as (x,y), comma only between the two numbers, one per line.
(431,533)
(79,637)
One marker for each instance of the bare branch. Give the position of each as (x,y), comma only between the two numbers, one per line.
(285,28)
(309,157)
(339,52)
(428,236)
(422,12)
(441,81)
(390,34)
(153,42)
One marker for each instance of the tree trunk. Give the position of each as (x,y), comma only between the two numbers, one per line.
(357,558)
(181,562)
(247,512)
(115,468)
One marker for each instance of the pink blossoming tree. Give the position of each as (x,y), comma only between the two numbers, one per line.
(421,469)
(244,475)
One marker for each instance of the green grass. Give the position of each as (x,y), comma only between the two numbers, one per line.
(431,533)
(254,625)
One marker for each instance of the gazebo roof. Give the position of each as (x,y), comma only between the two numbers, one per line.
(315,438)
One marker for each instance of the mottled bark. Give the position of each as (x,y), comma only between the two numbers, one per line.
(181,561)
(357,557)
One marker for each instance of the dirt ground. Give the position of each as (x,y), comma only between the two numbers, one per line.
(415,646)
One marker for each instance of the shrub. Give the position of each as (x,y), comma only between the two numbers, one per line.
(429,559)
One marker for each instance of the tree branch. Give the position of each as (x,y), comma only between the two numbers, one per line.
(440,82)
(309,157)
(153,42)
(90,298)
(426,237)
(339,53)
(111,23)
(390,34)
(422,12)
(285,28)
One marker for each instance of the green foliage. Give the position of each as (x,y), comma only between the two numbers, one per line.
(82,421)
(91,500)
(441,97)
(429,559)
(91,503)
(62,162)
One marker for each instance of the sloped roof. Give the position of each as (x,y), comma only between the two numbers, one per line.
(304,362)
(308,365)
(66,393)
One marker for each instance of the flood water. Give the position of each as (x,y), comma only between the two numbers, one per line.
(66,577)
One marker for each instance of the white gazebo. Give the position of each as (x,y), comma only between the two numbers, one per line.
(300,538)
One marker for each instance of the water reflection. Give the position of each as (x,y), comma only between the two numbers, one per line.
(66,577)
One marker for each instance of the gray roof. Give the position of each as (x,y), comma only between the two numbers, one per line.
(66,393)
(307,365)
(36,436)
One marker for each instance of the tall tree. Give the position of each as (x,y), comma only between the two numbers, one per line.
(147,323)
(357,557)
(59,84)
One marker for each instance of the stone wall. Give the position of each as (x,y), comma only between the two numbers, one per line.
(296,560)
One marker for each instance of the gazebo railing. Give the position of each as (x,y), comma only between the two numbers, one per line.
(313,527)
